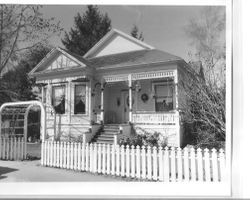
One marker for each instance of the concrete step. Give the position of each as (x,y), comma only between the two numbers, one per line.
(106,137)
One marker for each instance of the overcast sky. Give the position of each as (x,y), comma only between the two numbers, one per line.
(162,26)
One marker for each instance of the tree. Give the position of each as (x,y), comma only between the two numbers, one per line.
(22,27)
(204,86)
(208,37)
(135,34)
(88,29)
(17,80)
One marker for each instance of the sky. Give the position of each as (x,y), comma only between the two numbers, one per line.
(162,26)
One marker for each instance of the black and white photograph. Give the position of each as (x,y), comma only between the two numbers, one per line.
(116,99)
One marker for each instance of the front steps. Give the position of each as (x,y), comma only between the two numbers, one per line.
(106,134)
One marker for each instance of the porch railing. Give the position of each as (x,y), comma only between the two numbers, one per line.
(155,118)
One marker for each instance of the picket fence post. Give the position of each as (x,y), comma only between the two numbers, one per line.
(132,161)
(186,164)
(207,165)
(166,165)
(103,159)
(113,160)
(149,164)
(222,165)
(215,165)
(155,175)
(193,166)
(99,169)
(117,160)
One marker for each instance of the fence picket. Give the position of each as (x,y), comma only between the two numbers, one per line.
(99,169)
(4,148)
(215,165)
(132,161)
(103,158)
(138,162)
(7,149)
(79,156)
(143,152)
(193,164)
(155,166)
(179,164)
(166,165)
(75,156)
(122,161)
(149,163)
(186,164)
(51,153)
(207,165)
(200,164)
(61,154)
(222,165)
(83,157)
(64,155)
(160,163)
(127,161)
(95,158)
(57,154)
(117,160)
(87,157)
(113,160)
(54,154)
(108,158)
(11,148)
(173,164)
(68,155)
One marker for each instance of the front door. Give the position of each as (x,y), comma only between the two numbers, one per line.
(125,106)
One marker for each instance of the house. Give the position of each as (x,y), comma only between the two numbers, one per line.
(119,87)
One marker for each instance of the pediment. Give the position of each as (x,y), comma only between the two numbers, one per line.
(58,60)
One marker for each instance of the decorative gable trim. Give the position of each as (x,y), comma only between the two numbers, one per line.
(111,33)
(50,54)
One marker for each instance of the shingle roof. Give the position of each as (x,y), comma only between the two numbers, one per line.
(133,58)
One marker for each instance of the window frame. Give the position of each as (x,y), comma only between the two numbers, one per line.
(163,83)
(52,95)
(74,99)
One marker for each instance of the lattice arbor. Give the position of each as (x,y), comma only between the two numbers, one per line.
(14,127)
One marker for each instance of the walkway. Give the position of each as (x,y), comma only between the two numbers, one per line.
(31,171)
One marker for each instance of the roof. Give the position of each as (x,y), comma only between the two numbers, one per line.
(110,34)
(133,58)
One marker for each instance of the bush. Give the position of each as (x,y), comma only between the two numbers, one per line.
(145,139)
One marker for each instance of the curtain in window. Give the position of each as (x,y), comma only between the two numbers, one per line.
(80,99)
(58,99)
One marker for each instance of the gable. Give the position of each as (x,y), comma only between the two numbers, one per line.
(58,59)
(59,62)
(116,42)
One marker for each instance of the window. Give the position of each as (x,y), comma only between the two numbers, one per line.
(164,97)
(80,99)
(58,99)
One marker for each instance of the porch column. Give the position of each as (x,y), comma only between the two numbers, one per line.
(102,101)
(130,97)
(176,90)
(43,94)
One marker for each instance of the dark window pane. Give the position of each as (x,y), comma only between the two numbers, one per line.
(58,99)
(164,97)
(80,99)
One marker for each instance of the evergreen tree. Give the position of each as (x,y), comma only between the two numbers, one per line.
(88,29)
(135,33)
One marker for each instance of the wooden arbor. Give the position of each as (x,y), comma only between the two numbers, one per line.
(17,115)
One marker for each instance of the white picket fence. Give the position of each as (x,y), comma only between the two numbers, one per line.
(13,148)
(148,163)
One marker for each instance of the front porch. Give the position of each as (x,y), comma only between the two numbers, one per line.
(147,101)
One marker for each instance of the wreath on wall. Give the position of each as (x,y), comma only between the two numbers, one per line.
(144,97)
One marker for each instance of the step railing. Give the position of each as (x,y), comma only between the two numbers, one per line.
(153,164)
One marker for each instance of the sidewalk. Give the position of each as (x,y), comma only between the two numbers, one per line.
(31,171)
